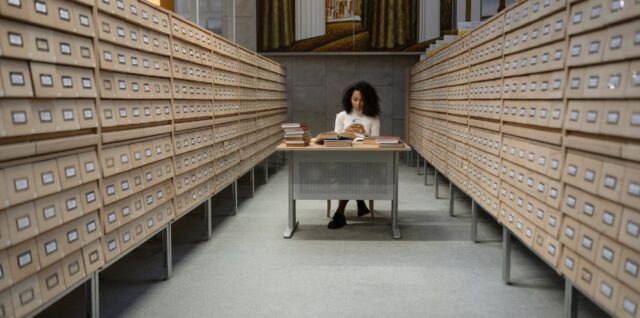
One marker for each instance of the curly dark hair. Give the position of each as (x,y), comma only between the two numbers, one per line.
(371,106)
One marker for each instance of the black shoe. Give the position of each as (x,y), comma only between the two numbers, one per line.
(362,209)
(338,221)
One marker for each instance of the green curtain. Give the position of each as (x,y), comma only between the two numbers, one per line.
(275,24)
(389,22)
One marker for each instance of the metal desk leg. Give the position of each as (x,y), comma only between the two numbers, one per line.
(266,170)
(92,295)
(394,204)
(207,216)
(451,191)
(474,221)
(506,256)
(293,223)
(252,176)
(234,191)
(417,159)
(277,162)
(570,300)
(166,249)
(436,180)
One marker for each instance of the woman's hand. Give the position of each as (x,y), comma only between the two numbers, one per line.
(355,128)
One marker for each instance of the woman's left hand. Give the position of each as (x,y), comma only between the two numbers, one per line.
(355,128)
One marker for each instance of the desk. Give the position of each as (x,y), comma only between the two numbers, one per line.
(361,172)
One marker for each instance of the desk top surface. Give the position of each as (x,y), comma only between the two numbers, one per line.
(355,147)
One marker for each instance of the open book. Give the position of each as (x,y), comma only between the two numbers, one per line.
(332,135)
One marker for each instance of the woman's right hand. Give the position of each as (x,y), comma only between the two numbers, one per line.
(355,128)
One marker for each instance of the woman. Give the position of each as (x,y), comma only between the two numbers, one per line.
(361,110)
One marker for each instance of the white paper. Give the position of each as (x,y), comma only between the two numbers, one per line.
(607,254)
(47,178)
(616,5)
(21,184)
(64,14)
(633,229)
(569,232)
(568,262)
(551,249)
(24,259)
(70,172)
(41,7)
(606,290)
(51,247)
(72,204)
(45,80)
(84,20)
(48,212)
(587,242)
(629,306)
(72,236)
(23,222)
(588,209)
(67,114)
(589,175)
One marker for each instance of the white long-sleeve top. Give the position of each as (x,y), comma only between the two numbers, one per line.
(371,124)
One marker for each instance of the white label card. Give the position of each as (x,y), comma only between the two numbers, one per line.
(72,204)
(19,117)
(51,247)
(23,222)
(70,172)
(72,236)
(24,259)
(49,212)
(21,184)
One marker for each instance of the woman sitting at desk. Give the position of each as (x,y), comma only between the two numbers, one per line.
(360,115)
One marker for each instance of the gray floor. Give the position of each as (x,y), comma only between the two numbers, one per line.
(249,270)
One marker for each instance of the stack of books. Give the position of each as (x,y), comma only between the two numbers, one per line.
(296,134)
(389,142)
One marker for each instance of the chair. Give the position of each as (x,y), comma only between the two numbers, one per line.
(329,208)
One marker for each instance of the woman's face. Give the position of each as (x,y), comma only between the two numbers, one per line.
(356,101)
